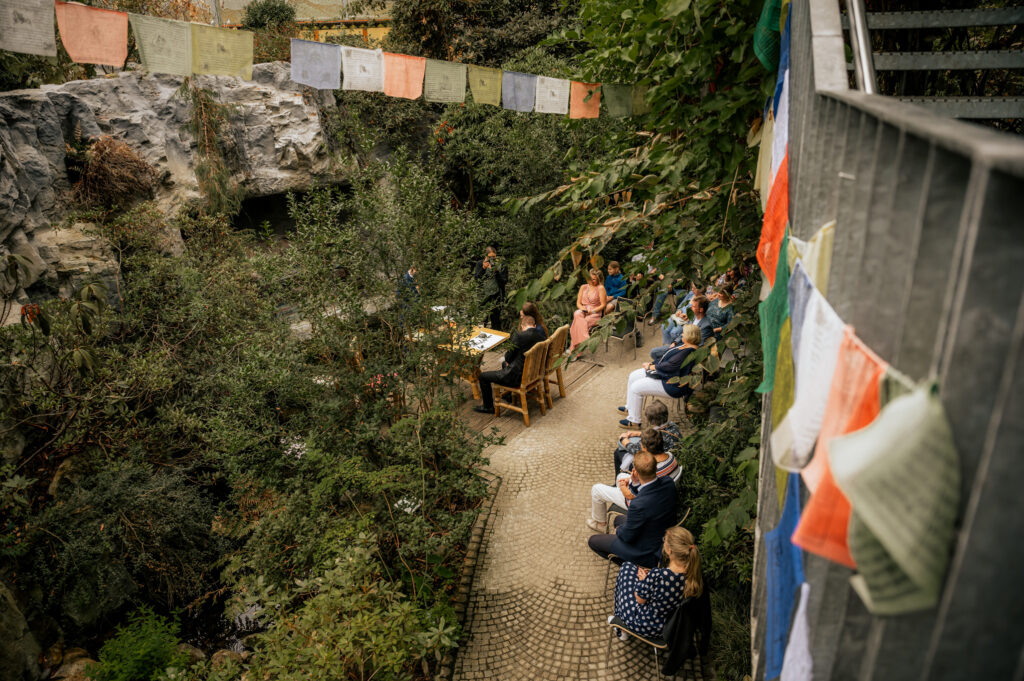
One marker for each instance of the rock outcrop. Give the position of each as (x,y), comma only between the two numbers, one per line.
(275,143)
(18,648)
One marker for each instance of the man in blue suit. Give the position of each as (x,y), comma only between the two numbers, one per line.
(638,539)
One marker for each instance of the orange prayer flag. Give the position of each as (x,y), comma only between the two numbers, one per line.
(403,75)
(776,215)
(93,35)
(853,402)
(579,105)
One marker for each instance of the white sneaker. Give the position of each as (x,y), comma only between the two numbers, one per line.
(596,526)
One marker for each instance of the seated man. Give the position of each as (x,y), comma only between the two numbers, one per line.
(699,305)
(627,482)
(614,285)
(656,418)
(639,537)
(511,373)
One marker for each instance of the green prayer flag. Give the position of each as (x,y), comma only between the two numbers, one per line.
(639,100)
(767,34)
(774,310)
(485,83)
(618,100)
(444,81)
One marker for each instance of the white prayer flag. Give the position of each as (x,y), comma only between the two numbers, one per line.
(164,44)
(363,69)
(317,65)
(781,130)
(797,664)
(552,95)
(26,26)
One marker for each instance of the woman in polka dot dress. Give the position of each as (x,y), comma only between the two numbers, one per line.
(645,598)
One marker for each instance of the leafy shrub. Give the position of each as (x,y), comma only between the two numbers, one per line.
(140,650)
(112,174)
(268,14)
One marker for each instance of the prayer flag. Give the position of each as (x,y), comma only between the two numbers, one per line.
(780,132)
(445,81)
(485,84)
(764,159)
(362,69)
(638,100)
(93,35)
(164,44)
(901,474)
(766,34)
(854,401)
(221,52)
(816,254)
(773,227)
(403,75)
(518,90)
(783,69)
(552,95)
(584,100)
(797,664)
(773,311)
(317,65)
(784,573)
(26,26)
(618,100)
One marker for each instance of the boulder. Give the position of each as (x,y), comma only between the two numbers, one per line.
(194,654)
(19,652)
(74,667)
(221,658)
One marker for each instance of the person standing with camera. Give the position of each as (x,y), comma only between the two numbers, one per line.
(492,277)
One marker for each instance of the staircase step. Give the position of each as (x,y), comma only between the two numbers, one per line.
(951,18)
(947,61)
(971,107)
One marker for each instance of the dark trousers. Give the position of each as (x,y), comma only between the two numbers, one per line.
(601,544)
(499,377)
(493,318)
(620,452)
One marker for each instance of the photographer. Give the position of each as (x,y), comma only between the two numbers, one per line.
(492,276)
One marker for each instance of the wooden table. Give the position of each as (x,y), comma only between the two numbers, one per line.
(473,378)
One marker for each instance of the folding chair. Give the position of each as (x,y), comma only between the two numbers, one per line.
(628,322)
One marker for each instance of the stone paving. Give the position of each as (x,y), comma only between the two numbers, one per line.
(538,607)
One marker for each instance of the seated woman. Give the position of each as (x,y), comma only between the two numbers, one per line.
(590,304)
(532,310)
(653,378)
(672,327)
(645,598)
(721,310)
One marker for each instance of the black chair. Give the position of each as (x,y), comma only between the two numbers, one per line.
(626,326)
(657,643)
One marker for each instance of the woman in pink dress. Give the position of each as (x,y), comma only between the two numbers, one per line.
(590,304)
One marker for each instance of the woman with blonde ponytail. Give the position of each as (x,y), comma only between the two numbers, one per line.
(645,598)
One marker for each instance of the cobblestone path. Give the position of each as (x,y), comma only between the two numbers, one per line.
(538,607)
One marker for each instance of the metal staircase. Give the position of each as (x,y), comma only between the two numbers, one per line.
(870,40)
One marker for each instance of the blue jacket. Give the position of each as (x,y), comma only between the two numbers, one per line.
(671,365)
(615,285)
(639,538)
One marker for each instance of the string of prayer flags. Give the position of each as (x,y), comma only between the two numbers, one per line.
(638,100)
(584,100)
(618,100)
(362,69)
(776,215)
(165,45)
(901,474)
(26,26)
(854,402)
(798,665)
(93,35)
(817,334)
(445,81)
(518,90)
(784,573)
(317,65)
(485,83)
(403,75)
(552,95)
(773,311)
(221,51)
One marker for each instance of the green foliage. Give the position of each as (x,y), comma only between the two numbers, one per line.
(207,121)
(268,14)
(141,650)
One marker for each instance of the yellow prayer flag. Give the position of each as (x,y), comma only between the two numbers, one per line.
(485,84)
(221,52)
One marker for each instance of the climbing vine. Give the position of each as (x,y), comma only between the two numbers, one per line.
(208,122)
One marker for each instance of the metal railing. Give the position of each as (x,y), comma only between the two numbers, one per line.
(928,266)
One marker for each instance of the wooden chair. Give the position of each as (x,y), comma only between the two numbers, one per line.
(555,350)
(533,379)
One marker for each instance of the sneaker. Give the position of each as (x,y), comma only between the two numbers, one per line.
(629,425)
(596,526)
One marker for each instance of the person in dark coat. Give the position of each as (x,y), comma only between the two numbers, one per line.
(638,539)
(511,374)
(492,277)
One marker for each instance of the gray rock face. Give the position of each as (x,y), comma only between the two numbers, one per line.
(275,143)
(19,651)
